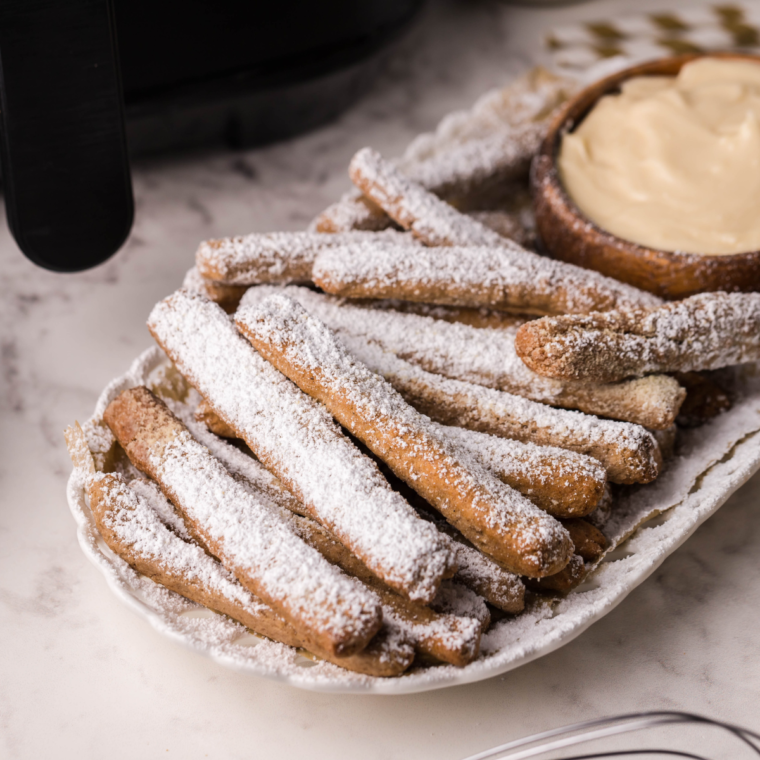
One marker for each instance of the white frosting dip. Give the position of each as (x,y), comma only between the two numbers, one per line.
(673,163)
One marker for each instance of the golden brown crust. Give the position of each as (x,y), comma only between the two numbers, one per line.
(227,296)
(377,659)
(436,641)
(630,454)
(653,401)
(548,481)
(382,657)
(563,582)
(568,494)
(144,427)
(590,543)
(666,440)
(706,331)
(560,482)
(206,415)
(532,547)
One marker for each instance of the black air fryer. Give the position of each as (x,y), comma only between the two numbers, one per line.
(81,80)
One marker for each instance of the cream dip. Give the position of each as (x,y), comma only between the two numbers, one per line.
(673,163)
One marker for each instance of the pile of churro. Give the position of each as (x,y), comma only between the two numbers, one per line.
(407,418)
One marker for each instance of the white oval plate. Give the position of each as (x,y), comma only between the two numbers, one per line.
(712,462)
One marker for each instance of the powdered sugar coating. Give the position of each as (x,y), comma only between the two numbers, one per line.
(479,572)
(193,280)
(469,152)
(628,452)
(501,156)
(306,343)
(278,257)
(240,464)
(100,441)
(252,539)
(446,628)
(299,440)
(520,639)
(182,565)
(428,218)
(352,212)
(704,332)
(509,642)
(475,569)
(149,493)
(143,530)
(499,275)
(456,599)
(455,632)
(529,98)
(504,455)
(486,357)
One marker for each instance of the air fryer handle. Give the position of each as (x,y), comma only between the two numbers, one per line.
(68,192)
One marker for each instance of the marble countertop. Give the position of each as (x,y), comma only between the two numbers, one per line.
(82,676)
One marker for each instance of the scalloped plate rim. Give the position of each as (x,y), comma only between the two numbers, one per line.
(413,683)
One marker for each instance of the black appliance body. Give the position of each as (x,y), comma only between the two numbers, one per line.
(85,84)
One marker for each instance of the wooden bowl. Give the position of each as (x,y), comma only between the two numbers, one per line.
(569,235)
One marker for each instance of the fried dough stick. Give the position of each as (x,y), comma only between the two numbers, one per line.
(706,331)
(496,518)
(629,453)
(590,543)
(472,154)
(297,439)
(573,573)
(452,638)
(497,275)
(560,482)
(480,317)
(497,586)
(489,270)
(135,533)
(227,296)
(488,357)
(327,609)
(279,257)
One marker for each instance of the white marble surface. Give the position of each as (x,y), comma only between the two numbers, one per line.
(81,676)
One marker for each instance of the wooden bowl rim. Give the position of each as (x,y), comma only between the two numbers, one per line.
(572,114)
